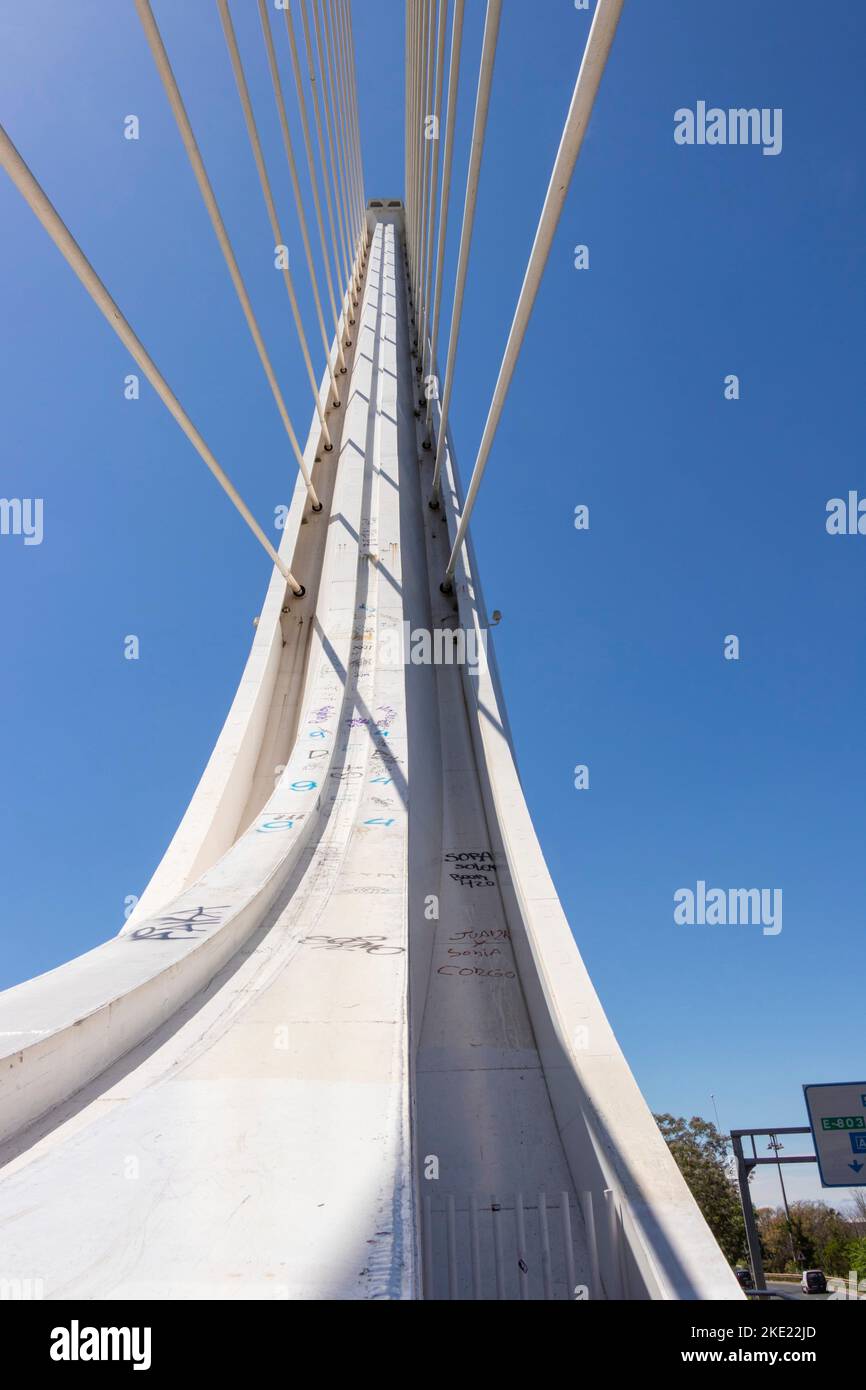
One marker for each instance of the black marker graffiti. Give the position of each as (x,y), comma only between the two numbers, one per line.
(180,924)
(480,936)
(370,944)
(476,970)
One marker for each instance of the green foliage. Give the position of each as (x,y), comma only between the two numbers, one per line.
(700,1153)
(857,1256)
(821,1238)
(836,1257)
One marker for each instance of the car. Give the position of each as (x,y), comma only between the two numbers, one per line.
(813,1281)
(743,1278)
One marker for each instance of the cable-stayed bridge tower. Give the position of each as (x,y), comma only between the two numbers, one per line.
(346,1046)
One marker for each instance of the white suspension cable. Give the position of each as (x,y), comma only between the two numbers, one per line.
(409,191)
(163,65)
(598,46)
(417,148)
(479,127)
(425,161)
(339,140)
(344,55)
(342,273)
(338,8)
(353,80)
(38,201)
(345,69)
(434,178)
(299,201)
(340,85)
(407,42)
(418,140)
(329,133)
(425,200)
(314,183)
(258,156)
(411,12)
(448,158)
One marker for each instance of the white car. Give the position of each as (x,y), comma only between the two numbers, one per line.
(813,1281)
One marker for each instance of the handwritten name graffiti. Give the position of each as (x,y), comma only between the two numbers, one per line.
(471,868)
(321,715)
(478,941)
(384,718)
(477,971)
(475,951)
(370,945)
(481,936)
(180,925)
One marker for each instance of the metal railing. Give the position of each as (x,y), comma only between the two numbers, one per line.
(544,1248)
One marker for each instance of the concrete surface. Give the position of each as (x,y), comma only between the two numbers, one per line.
(346,1047)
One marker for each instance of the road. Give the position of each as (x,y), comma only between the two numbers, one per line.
(794,1291)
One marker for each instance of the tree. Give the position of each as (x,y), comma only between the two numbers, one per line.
(837,1255)
(821,1238)
(776,1238)
(700,1153)
(857,1256)
(858,1203)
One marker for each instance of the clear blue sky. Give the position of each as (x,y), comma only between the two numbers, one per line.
(707,516)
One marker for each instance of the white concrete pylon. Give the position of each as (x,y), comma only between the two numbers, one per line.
(351,969)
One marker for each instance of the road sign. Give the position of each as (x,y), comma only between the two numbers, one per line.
(837,1115)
